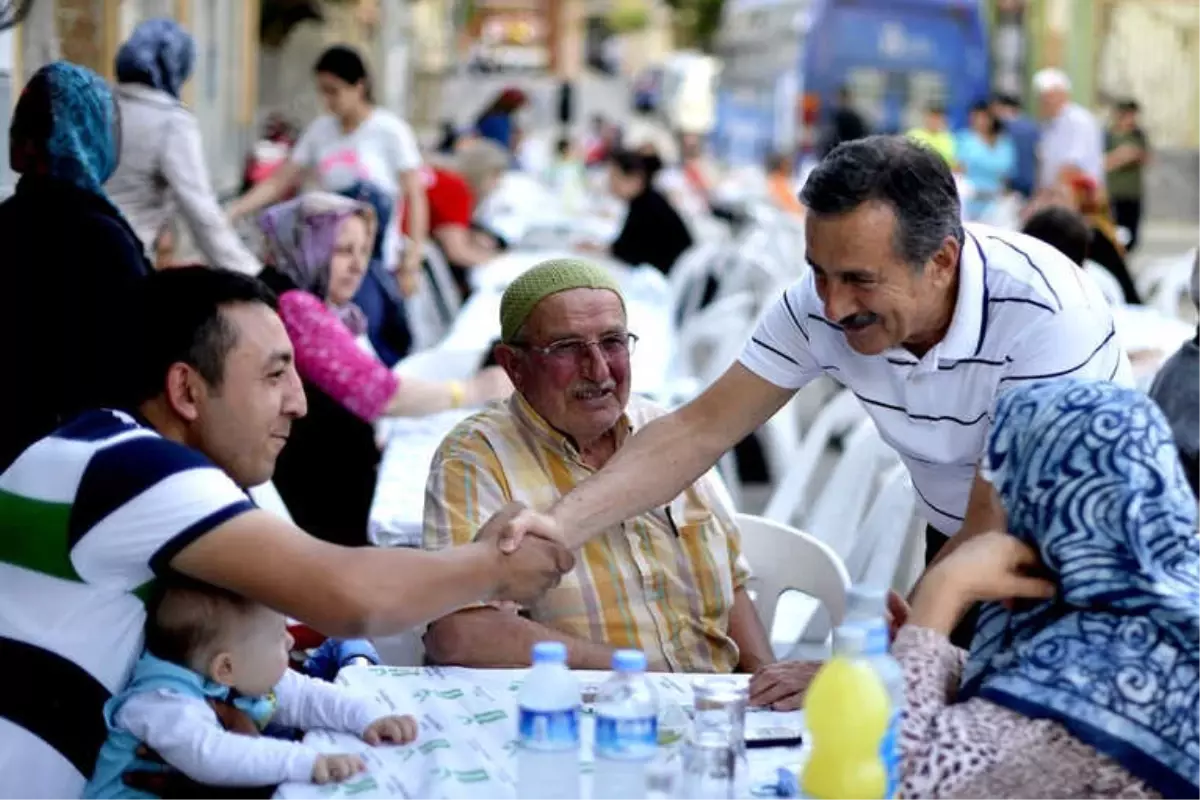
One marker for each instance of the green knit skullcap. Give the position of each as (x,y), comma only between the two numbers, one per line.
(547,278)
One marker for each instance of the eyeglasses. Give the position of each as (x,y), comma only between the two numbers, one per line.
(612,346)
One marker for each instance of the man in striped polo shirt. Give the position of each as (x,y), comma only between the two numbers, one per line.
(91,515)
(925,320)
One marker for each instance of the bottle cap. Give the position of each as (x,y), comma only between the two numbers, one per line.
(849,640)
(629,661)
(549,653)
(867,597)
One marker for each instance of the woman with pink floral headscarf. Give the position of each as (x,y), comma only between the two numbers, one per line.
(317,248)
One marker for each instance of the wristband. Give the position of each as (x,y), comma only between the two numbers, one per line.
(458,393)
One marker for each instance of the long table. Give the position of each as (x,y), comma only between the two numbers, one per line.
(467,746)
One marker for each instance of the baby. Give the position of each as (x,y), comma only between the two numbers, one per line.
(205,644)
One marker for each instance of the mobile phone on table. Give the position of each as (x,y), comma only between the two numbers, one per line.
(774,736)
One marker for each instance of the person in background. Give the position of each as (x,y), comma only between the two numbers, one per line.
(1071,137)
(1127,152)
(1062,228)
(780,186)
(1025,135)
(449,138)
(453,193)
(602,139)
(379,297)
(646,131)
(161,171)
(355,141)
(1176,389)
(566,346)
(845,124)
(1105,247)
(566,176)
(318,249)
(935,134)
(1081,677)
(986,158)
(497,122)
(270,152)
(71,259)
(653,232)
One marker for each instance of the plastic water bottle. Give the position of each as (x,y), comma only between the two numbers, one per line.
(865,609)
(626,729)
(548,727)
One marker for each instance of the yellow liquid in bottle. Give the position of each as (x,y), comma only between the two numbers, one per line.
(846,712)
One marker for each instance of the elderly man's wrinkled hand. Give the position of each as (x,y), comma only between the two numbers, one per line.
(509,527)
(781,686)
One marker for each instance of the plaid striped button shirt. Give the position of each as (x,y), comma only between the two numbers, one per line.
(662,582)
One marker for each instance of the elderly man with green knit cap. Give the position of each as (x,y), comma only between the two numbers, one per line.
(670,582)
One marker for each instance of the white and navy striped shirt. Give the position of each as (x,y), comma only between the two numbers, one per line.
(1024,312)
(89,516)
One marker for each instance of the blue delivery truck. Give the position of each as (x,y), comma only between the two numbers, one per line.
(896,57)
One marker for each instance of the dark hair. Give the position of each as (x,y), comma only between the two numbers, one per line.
(631,162)
(177,319)
(185,616)
(982,107)
(1062,228)
(1128,106)
(1006,99)
(913,180)
(563,146)
(347,65)
(777,161)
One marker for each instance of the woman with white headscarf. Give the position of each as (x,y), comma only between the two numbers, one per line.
(162,170)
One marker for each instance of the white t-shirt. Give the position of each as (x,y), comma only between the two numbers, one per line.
(1024,313)
(89,516)
(377,151)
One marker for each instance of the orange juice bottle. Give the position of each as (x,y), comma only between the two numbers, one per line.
(846,712)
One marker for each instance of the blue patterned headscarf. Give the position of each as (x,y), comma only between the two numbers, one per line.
(65,127)
(381,201)
(159,54)
(1088,475)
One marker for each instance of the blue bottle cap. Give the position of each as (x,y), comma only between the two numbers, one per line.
(629,661)
(549,653)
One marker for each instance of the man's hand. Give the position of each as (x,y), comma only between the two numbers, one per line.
(333,768)
(897,613)
(987,567)
(530,564)
(781,686)
(396,729)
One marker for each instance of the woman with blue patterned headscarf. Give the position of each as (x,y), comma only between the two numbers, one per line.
(1082,678)
(70,257)
(379,296)
(163,171)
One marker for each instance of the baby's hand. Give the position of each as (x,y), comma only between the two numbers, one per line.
(395,729)
(333,768)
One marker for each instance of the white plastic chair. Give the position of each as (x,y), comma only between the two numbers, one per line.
(886,534)
(711,339)
(839,415)
(784,559)
(688,278)
(837,516)
(1109,286)
(443,280)
(1165,284)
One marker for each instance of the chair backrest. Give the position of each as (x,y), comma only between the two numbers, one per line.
(783,558)
(1109,286)
(875,559)
(837,515)
(443,281)
(688,278)
(838,416)
(712,338)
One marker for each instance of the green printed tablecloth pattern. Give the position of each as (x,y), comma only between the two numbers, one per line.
(467,746)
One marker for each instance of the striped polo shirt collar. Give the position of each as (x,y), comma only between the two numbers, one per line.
(964,337)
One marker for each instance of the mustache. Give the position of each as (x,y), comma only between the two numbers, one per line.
(592,388)
(858,321)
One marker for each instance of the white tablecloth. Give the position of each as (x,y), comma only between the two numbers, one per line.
(467,746)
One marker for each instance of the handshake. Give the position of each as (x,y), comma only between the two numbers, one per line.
(530,553)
